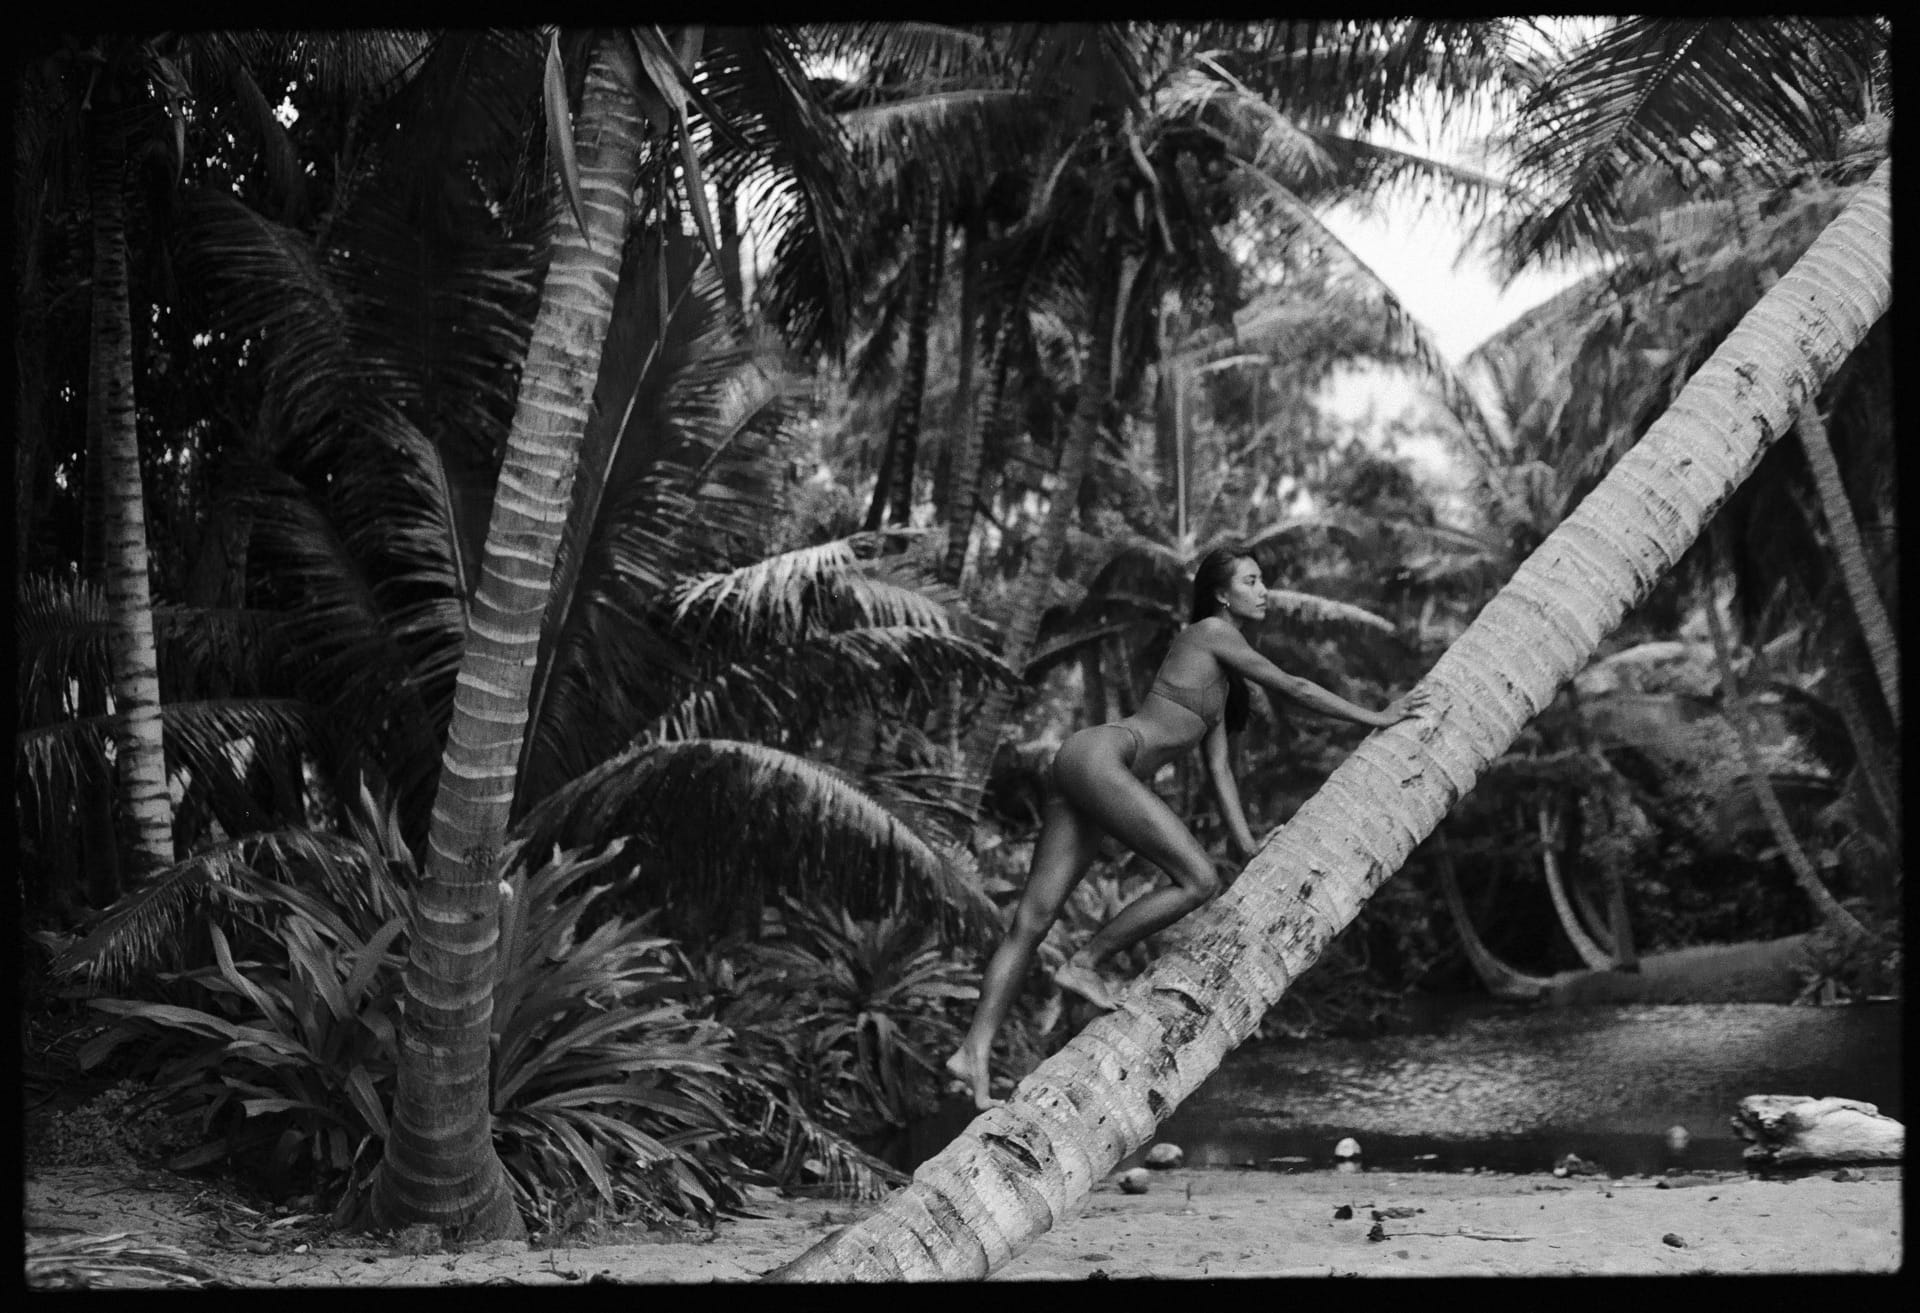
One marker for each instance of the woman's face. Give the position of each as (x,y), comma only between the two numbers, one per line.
(1245,597)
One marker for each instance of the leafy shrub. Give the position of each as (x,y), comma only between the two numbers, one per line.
(603,1080)
(287,1057)
(614,1080)
(871,1001)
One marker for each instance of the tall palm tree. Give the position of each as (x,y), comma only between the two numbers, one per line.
(440,1164)
(144,806)
(1031,1163)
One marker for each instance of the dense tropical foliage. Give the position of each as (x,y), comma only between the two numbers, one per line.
(572,549)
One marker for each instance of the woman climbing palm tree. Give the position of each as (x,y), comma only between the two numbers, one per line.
(1099,778)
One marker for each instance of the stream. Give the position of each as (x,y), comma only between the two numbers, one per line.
(1482,1085)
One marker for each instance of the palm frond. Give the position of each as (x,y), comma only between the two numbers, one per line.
(1324,612)
(1766,94)
(782,595)
(785,690)
(793,152)
(117,1260)
(135,933)
(726,819)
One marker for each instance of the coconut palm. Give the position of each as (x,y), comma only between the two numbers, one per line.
(1031,1163)
(1194,141)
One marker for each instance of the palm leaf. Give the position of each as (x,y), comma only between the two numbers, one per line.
(133,934)
(1324,612)
(1765,94)
(729,818)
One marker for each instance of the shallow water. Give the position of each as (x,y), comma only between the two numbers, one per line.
(1483,1085)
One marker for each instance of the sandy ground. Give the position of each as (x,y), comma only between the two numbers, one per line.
(1199,1223)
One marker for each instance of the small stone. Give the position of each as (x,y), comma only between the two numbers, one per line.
(1344,1213)
(1163,1156)
(1134,1181)
(1671,1239)
(1378,1233)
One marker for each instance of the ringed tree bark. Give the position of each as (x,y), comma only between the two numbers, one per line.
(440,1164)
(143,805)
(1030,1163)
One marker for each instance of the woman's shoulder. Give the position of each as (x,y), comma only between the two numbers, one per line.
(1213,631)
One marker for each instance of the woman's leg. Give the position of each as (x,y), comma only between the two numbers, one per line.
(1066,847)
(1131,812)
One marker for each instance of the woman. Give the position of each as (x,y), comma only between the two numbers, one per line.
(1099,779)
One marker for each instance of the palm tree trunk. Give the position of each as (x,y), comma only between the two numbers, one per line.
(1735,711)
(960,410)
(1036,580)
(893,490)
(1590,918)
(963,479)
(440,1164)
(1844,534)
(1883,781)
(731,282)
(1589,952)
(143,805)
(1032,1162)
(1500,979)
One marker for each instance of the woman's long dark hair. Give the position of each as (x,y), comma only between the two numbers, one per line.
(1214,573)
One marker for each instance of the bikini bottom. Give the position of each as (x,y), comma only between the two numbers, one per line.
(1072,774)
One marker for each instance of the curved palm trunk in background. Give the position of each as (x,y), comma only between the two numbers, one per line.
(1592,956)
(1882,645)
(1030,591)
(440,1163)
(1020,1168)
(144,807)
(1501,980)
(1762,785)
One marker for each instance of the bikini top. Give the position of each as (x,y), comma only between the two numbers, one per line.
(1206,702)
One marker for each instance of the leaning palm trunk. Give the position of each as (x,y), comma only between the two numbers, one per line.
(1036,578)
(1020,1168)
(1591,955)
(145,808)
(1882,646)
(440,1164)
(1762,785)
(1500,979)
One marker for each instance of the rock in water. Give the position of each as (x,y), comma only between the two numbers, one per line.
(1164,1155)
(1134,1181)
(1347,1148)
(1678,1139)
(1795,1130)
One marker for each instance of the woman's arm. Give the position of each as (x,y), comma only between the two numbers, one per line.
(1228,644)
(1226,791)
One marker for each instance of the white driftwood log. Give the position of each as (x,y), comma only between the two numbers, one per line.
(1793,1129)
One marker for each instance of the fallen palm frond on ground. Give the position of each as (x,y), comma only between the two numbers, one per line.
(119,1260)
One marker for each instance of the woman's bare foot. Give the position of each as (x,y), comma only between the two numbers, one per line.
(1083,980)
(970,1070)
